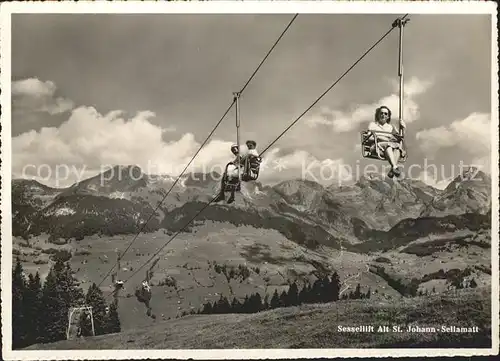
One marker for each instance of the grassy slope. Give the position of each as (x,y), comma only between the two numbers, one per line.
(313,326)
(187,258)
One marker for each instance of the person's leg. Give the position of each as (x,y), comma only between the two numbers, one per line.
(393,158)
(223,182)
(232,196)
(397,156)
(233,172)
(389,153)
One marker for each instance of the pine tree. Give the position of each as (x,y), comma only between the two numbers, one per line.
(207,309)
(19,319)
(316,293)
(113,320)
(368,293)
(245,307)
(257,302)
(95,299)
(275,300)
(265,306)
(357,292)
(33,308)
(324,291)
(293,295)
(334,287)
(473,283)
(60,292)
(283,299)
(235,306)
(303,295)
(223,305)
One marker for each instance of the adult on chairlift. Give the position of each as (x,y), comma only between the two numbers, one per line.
(388,139)
(247,164)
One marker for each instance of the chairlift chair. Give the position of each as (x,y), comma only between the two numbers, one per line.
(370,149)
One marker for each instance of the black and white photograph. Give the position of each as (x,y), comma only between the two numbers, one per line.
(251,179)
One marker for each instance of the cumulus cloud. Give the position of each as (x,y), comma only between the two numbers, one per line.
(34,95)
(301,164)
(470,136)
(90,142)
(431,179)
(345,121)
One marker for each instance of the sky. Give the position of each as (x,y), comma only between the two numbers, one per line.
(91,91)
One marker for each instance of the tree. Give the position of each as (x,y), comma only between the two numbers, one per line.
(215,307)
(252,306)
(357,292)
(33,308)
(113,320)
(235,306)
(334,287)
(245,307)
(95,299)
(265,306)
(207,309)
(316,291)
(368,293)
(283,299)
(19,325)
(324,292)
(303,295)
(293,295)
(223,305)
(275,300)
(257,302)
(60,292)
(472,283)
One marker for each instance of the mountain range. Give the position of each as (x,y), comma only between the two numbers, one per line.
(124,200)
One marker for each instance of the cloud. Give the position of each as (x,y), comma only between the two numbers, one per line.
(471,135)
(431,180)
(346,121)
(300,164)
(33,95)
(90,142)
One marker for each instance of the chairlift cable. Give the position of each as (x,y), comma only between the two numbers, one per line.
(208,204)
(203,144)
(335,83)
(171,239)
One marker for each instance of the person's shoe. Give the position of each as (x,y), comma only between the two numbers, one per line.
(396,171)
(390,174)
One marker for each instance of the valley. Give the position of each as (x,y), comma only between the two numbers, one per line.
(271,237)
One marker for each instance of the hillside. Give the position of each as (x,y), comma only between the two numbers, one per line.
(470,192)
(120,194)
(121,199)
(313,326)
(185,275)
(269,238)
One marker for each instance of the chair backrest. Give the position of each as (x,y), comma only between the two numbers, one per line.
(369,146)
(251,168)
